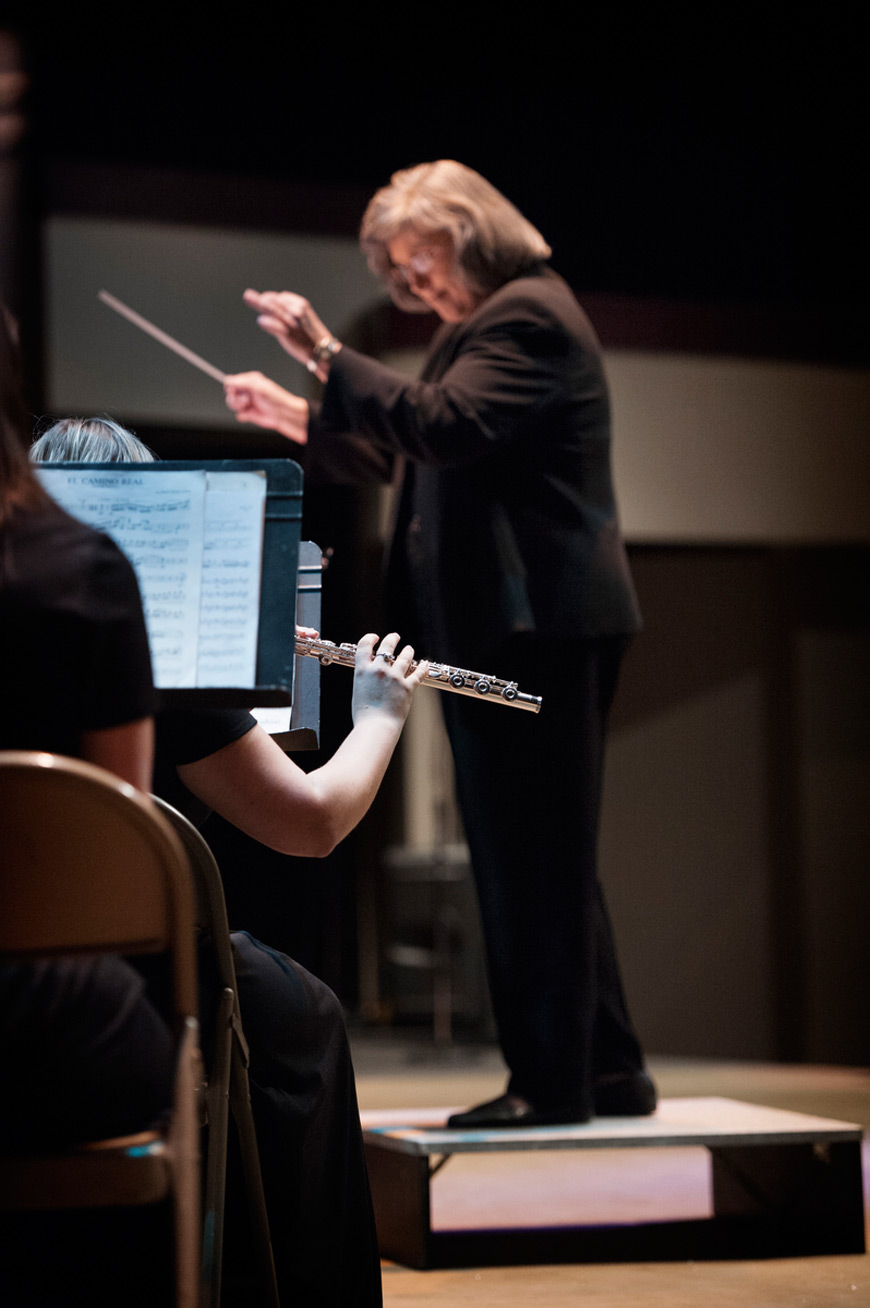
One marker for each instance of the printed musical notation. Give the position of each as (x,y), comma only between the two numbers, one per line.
(195,539)
(229,606)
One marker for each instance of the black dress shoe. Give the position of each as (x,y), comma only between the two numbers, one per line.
(512,1110)
(625,1094)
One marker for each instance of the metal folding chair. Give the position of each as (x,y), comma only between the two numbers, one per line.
(88,866)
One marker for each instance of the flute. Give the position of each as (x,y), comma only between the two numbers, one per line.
(440,675)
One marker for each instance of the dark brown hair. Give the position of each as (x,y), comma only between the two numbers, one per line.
(19,487)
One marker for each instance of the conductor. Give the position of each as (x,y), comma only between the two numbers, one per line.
(507,554)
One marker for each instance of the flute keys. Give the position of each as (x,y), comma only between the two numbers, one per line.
(440,675)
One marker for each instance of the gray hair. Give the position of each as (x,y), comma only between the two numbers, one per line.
(492,241)
(89,440)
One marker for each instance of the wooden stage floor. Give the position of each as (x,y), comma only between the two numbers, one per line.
(606,1186)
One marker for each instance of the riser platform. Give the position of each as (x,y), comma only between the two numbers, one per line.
(780,1184)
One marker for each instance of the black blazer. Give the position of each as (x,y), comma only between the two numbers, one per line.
(507,519)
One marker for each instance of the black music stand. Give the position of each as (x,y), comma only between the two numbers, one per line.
(275,659)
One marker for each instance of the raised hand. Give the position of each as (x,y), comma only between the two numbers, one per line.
(292,321)
(255,399)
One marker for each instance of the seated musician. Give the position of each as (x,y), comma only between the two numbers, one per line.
(85,1053)
(302,1083)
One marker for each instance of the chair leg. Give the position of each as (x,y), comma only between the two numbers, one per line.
(240,1102)
(217,1098)
(184,1145)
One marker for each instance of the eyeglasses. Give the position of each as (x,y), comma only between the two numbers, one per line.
(419,264)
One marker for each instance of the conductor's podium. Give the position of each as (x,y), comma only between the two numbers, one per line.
(767,1183)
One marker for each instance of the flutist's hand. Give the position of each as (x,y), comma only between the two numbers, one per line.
(295,326)
(254,398)
(383,683)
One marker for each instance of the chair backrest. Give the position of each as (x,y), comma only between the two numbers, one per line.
(211,908)
(87,865)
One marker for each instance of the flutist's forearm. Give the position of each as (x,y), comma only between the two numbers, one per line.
(255,786)
(258,788)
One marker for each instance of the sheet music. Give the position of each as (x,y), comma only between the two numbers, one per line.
(198,564)
(232,563)
(274,720)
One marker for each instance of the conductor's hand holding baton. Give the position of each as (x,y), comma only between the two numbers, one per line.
(298,330)
(255,399)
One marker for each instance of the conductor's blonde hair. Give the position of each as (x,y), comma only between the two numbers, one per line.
(492,241)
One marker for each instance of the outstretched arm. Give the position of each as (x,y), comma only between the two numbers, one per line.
(255,786)
(256,399)
(526,352)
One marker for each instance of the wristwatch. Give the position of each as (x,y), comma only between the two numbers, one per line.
(323,351)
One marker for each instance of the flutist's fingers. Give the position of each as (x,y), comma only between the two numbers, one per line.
(384,681)
(365,650)
(402,661)
(404,664)
(387,648)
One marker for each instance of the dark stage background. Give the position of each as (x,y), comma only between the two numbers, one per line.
(673,150)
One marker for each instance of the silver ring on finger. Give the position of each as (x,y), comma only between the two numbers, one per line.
(385,654)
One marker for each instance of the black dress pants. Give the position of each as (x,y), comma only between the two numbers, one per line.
(529,789)
(304,1101)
